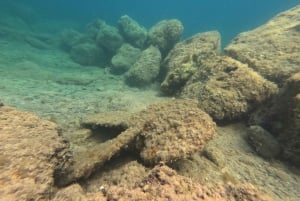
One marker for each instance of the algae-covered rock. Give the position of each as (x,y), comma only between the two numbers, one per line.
(173,130)
(227,89)
(164,183)
(187,57)
(281,118)
(263,142)
(71,38)
(31,151)
(164,132)
(165,34)
(145,69)
(94,27)
(134,33)
(126,56)
(271,49)
(88,54)
(109,38)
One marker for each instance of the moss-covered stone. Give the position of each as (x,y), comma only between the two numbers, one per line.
(146,69)
(126,56)
(133,33)
(165,35)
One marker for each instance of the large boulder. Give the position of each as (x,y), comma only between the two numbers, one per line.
(165,34)
(146,69)
(31,151)
(133,33)
(186,58)
(271,49)
(227,89)
(126,56)
(70,38)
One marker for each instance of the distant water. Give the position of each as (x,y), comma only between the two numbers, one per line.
(230,17)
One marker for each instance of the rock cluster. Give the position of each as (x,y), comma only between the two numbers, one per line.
(126,49)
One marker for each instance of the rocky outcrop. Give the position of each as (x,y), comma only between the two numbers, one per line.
(227,89)
(164,132)
(32,151)
(186,58)
(271,49)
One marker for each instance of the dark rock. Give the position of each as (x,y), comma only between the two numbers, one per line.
(263,142)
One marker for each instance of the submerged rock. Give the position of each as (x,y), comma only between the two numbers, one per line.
(109,38)
(187,57)
(227,89)
(126,56)
(32,151)
(263,142)
(134,33)
(271,49)
(146,69)
(88,54)
(164,132)
(282,118)
(165,35)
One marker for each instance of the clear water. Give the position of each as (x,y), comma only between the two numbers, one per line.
(230,17)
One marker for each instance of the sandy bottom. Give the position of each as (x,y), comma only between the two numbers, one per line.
(49,84)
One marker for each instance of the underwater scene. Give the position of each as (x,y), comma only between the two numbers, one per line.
(132,100)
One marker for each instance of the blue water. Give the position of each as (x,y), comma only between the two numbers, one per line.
(230,17)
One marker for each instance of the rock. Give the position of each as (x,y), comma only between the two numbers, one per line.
(281,118)
(94,27)
(173,130)
(73,192)
(134,33)
(1,103)
(88,54)
(186,58)
(70,38)
(263,142)
(164,132)
(109,38)
(227,89)
(32,151)
(126,56)
(163,182)
(271,49)
(146,69)
(165,35)
(214,155)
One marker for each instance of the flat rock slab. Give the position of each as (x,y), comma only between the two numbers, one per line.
(271,49)
(29,147)
(164,132)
